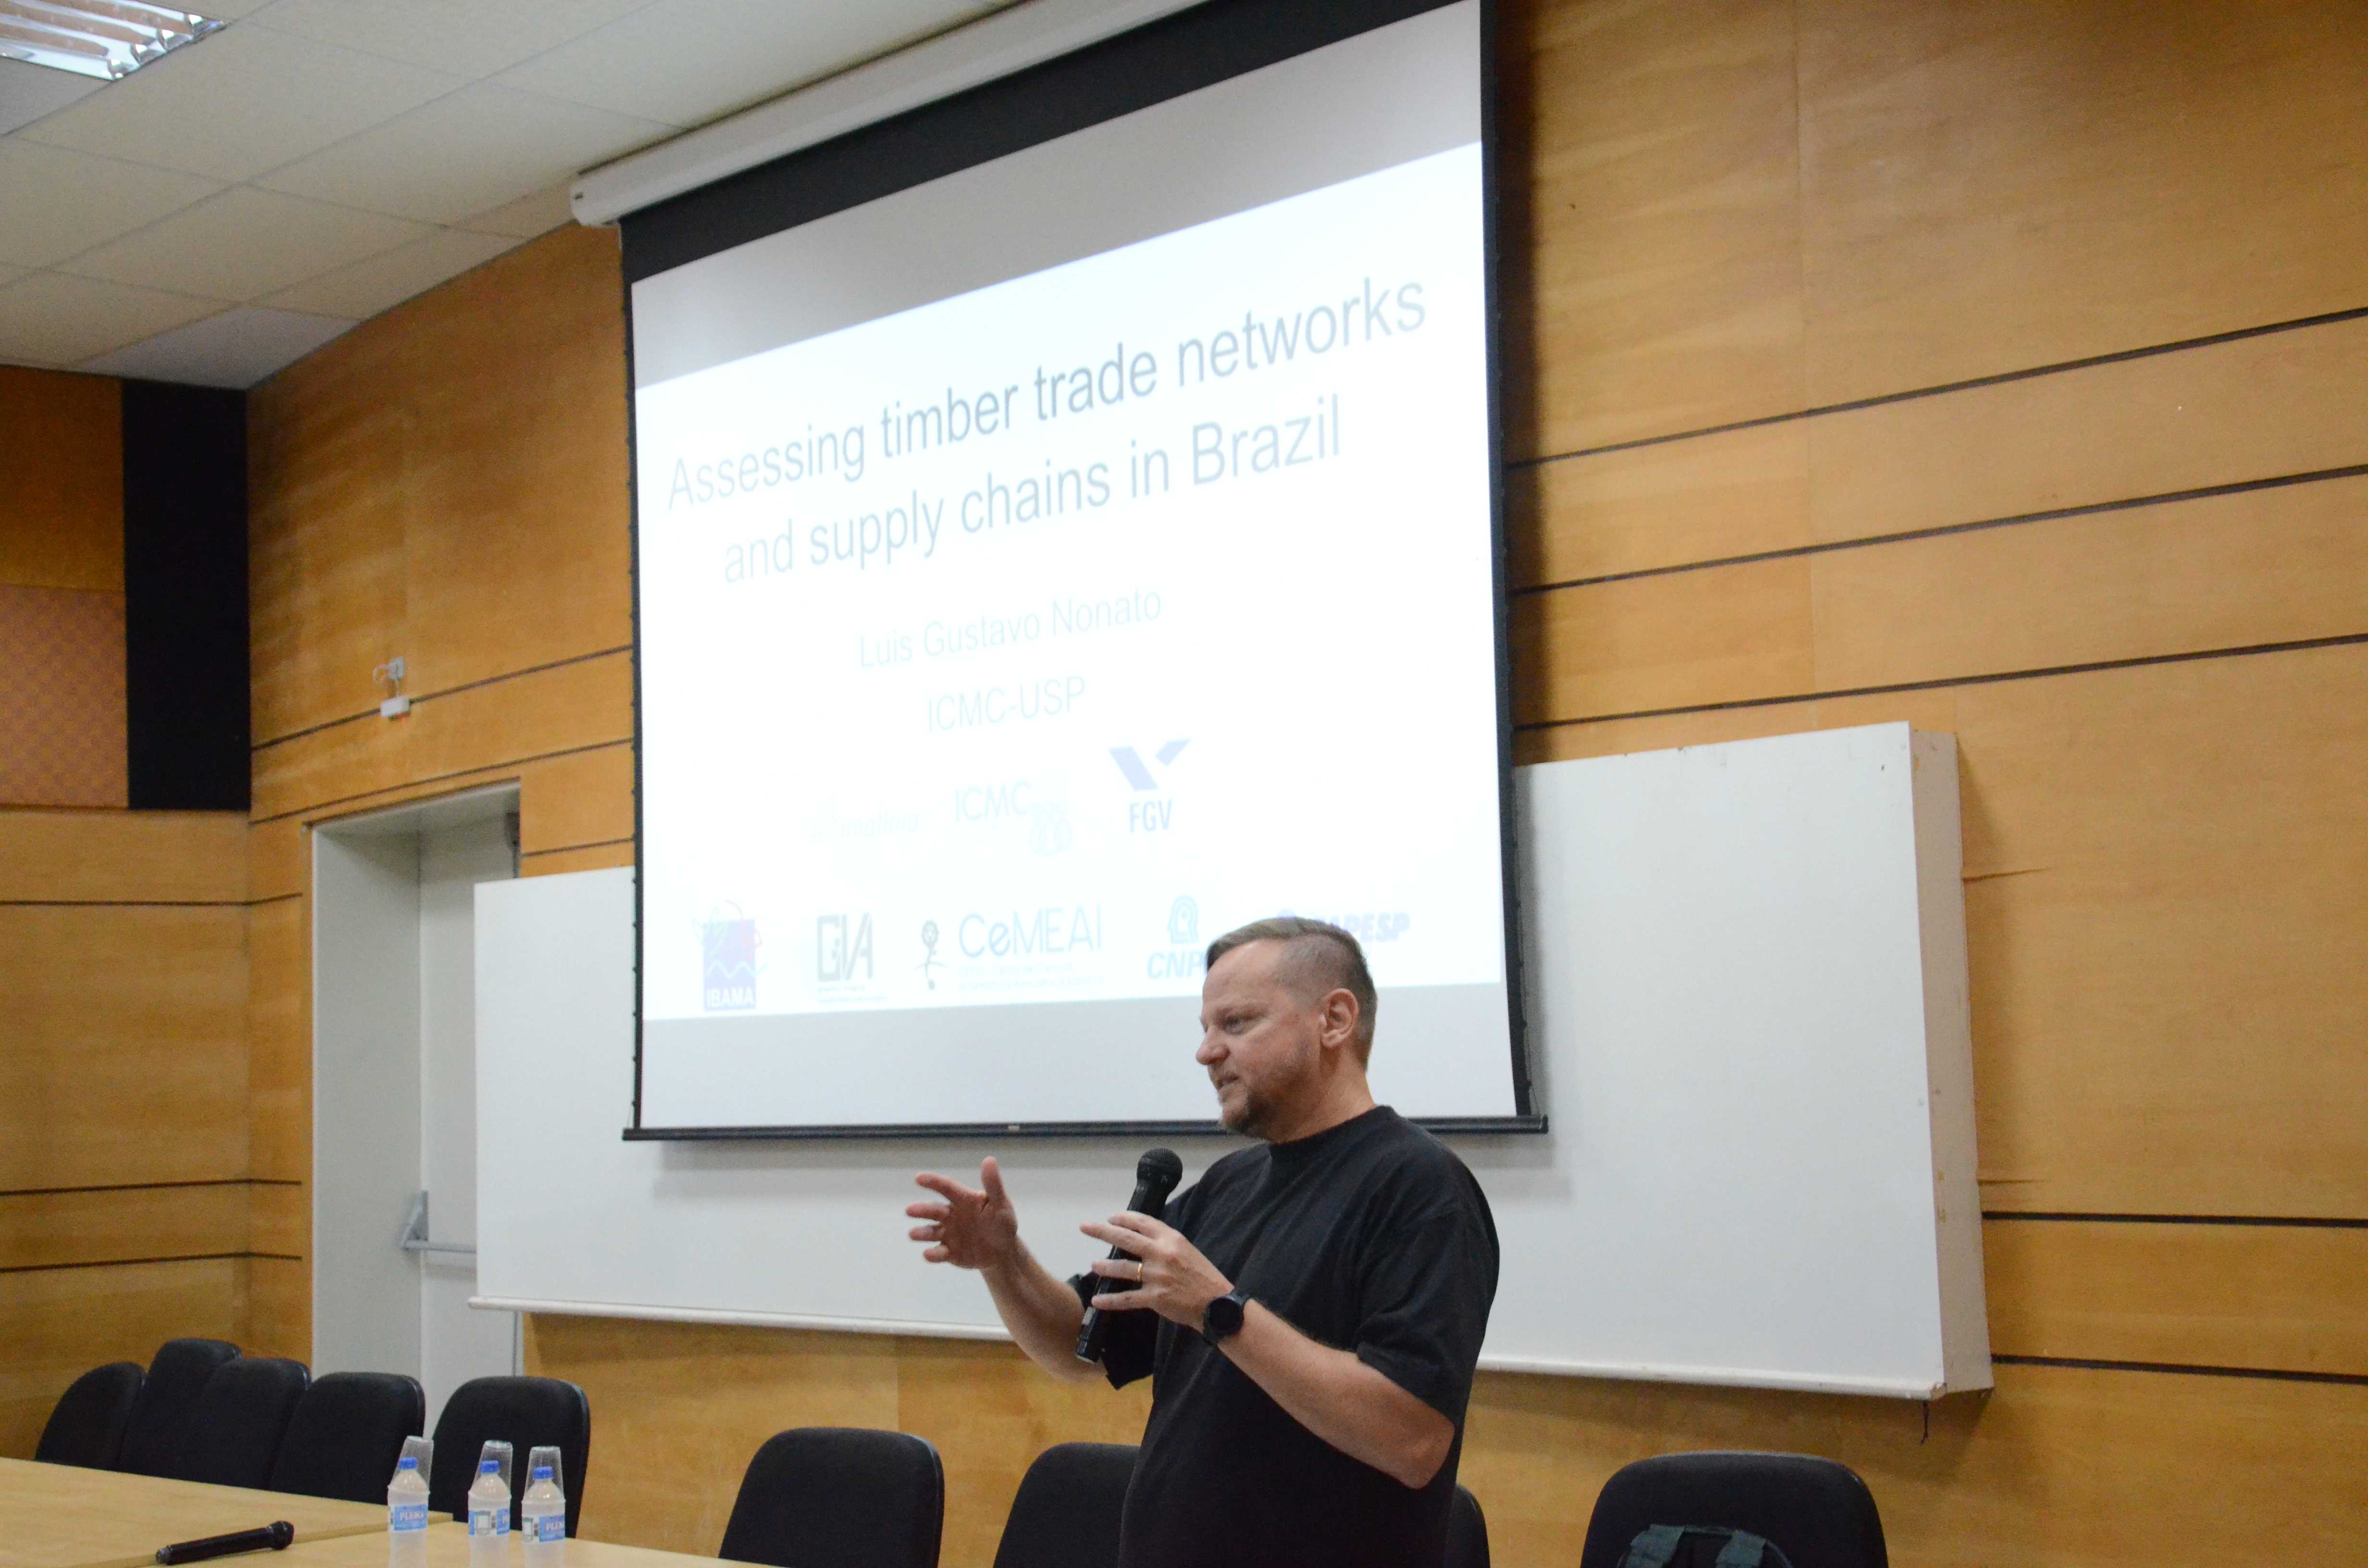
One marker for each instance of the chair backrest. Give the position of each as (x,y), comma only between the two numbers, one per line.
(346,1434)
(87,1426)
(168,1395)
(841,1495)
(1467,1532)
(234,1432)
(1067,1515)
(527,1413)
(1818,1513)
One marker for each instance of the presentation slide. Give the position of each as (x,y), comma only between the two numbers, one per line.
(1001,648)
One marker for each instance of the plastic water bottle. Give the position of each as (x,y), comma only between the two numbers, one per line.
(406,1517)
(489,1516)
(544,1515)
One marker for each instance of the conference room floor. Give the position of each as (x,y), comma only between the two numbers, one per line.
(63,1517)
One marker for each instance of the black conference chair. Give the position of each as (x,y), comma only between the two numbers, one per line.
(87,1426)
(527,1413)
(842,1496)
(346,1434)
(168,1395)
(1067,1515)
(1467,1532)
(1818,1513)
(234,1432)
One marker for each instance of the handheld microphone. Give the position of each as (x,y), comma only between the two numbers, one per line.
(274,1535)
(1156,1176)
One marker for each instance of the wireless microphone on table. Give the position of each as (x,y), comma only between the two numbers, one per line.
(1156,1176)
(274,1535)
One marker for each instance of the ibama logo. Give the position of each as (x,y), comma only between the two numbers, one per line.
(728,944)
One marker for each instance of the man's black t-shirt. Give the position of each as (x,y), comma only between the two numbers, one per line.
(1370,1236)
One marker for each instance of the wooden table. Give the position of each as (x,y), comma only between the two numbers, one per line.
(450,1549)
(57,1516)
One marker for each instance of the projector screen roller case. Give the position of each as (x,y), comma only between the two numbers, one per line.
(1048,567)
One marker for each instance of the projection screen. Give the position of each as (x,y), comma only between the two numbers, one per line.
(1049,564)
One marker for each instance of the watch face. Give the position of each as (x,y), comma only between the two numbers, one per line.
(1222,1317)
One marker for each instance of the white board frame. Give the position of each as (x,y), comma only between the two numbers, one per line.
(1751,1036)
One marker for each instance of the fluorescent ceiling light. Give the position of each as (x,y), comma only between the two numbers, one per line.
(105,39)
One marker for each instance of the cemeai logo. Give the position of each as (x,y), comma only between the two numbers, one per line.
(1148,816)
(728,950)
(836,951)
(1182,959)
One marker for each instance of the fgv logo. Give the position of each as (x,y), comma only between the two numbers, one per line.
(1148,816)
(836,951)
(728,979)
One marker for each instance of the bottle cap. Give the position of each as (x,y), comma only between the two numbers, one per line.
(406,1462)
(489,1467)
(542,1472)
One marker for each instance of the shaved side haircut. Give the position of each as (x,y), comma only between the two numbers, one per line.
(1318,959)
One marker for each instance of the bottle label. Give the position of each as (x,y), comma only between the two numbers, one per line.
(406,1517)
(489,1521)
(550,1527)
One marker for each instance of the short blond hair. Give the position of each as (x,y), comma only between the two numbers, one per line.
(1319,958)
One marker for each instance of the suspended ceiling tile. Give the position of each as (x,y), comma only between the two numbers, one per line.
(761,48)
(475,38)
(242,101)
(477,149)
(51,319)
(526,218)
(384,282)
(244,244)
(55,204)
(28,92)
(237,348)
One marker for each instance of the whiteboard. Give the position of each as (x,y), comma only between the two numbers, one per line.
(1746,970)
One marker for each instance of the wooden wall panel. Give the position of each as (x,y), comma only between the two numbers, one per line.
(127,1059)
(571,802)
(447,482)
(2233,413)
(101,856)
(2058,1466)
(2163,892)
(558,862)
(569,707)
(59,1323)
(279,1219)
(279,1089)
(2285,1298)
(280,863)
(2234,571)
(62,488)
(279,1308)
(1663,218)
(990,1412)
(679,1409)
(72,1228)
(1987,185)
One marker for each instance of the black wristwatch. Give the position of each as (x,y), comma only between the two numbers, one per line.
(1222,1319)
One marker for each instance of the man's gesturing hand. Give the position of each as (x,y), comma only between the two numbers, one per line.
(1173,1280)
(971,1229)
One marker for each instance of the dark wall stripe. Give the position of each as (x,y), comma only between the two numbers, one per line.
(2054,369)
(1164,60)
(1784,699)
(185,596)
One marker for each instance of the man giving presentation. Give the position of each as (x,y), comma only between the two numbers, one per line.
(1309,1313)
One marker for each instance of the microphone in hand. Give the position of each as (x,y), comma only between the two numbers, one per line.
(1156,1176)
